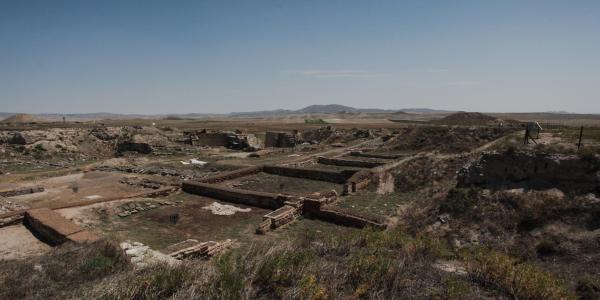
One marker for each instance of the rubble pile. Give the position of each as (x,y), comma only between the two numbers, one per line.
(142,256)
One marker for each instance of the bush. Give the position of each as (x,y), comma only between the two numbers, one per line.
(460,200)
(159,281)
(315,121)
(61,271)
(547,248)
(520,280)
(588,288)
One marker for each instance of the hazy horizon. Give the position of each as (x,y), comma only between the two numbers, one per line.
(158,57)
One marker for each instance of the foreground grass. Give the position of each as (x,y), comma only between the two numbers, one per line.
(520,280)
(359,265)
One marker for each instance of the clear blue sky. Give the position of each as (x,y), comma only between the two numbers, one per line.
(221,56)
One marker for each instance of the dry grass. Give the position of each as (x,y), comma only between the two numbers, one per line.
(520,280)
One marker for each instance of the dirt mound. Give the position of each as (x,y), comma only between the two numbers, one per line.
(22,119)
(467,119)
(445,139)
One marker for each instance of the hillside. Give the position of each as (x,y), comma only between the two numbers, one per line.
(23,118)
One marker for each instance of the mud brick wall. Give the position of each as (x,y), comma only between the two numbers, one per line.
(232,175)
(348,163)
(252,198)
(54,229)
(314,174)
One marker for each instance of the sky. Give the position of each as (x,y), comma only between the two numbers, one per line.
(229,56)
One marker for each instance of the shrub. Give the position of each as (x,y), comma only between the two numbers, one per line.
(315,121)
(588,288)
(520,280)
(547,248)
(158,281)
(460,200)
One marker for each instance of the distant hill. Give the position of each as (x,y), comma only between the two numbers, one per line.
(313,109)
(23,119)
(326,109)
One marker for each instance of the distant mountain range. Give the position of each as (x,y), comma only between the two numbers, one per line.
(309,110)
(312,109)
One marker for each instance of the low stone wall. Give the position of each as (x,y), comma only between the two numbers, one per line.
(21,191)
(252,198)
(232,175)
(348,162)
(314,174)
(54,229)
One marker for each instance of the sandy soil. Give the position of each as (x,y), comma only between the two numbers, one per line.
(18,242)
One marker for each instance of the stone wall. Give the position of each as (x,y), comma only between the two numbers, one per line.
(515,169)
(314,174)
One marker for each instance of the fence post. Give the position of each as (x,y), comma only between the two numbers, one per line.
(580,135)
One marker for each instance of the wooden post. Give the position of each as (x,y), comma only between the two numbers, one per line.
(526,141)
(580,136)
